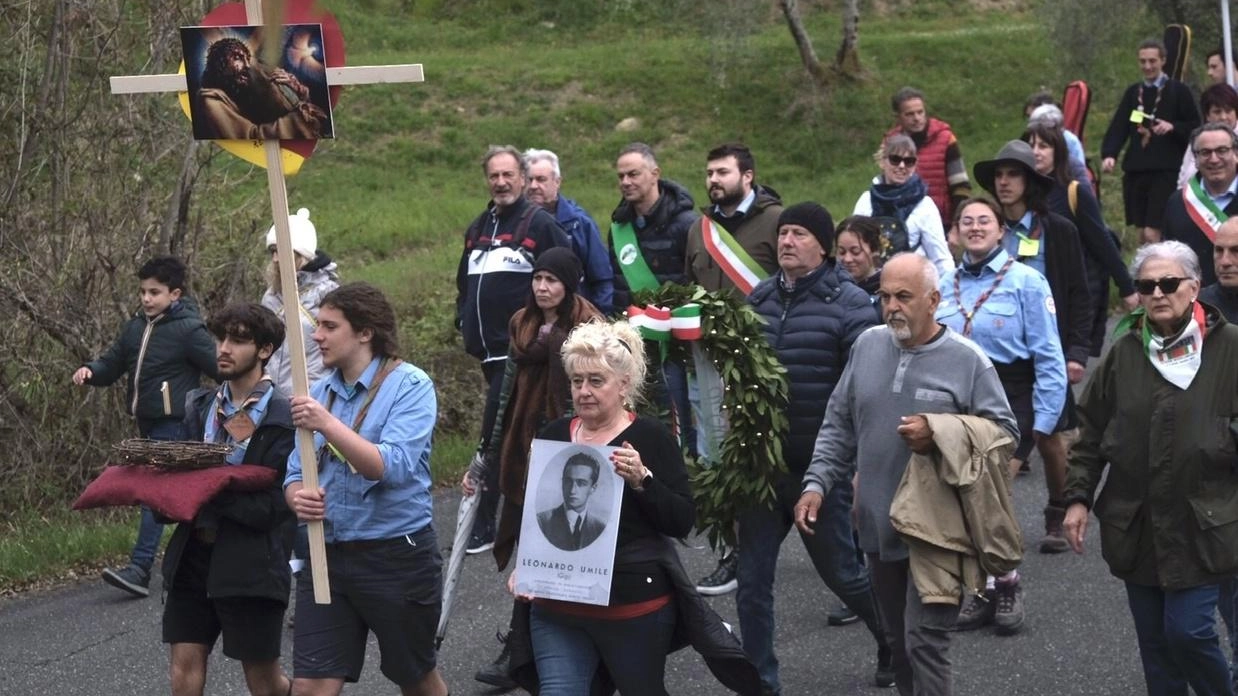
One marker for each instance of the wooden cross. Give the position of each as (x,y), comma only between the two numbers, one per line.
(371,74)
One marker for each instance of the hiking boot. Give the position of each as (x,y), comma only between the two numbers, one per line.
(977,611)
(131,579)
(722,580)
(495,673)
(479,543)
(885,667)
(1009,614)
(841,615)
(1053,541)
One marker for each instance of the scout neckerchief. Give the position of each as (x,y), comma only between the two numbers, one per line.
(731,256)
(631,263)
(1029,242)
(239,425)
(1145,134)
(1204,212)
(386,367)
(984,296)
(1176,358)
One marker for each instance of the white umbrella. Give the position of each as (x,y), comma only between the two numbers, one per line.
(465,516)
(486,453)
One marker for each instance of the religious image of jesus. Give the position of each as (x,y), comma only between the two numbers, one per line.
(243,99)
(569,526)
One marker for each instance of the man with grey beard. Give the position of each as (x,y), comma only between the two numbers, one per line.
(898,372)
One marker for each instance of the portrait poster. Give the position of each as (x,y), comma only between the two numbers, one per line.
(234,95)
(570,524)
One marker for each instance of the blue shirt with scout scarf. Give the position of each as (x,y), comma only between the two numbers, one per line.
(1021,233)
(223,404)
(1017,322)
(400,422)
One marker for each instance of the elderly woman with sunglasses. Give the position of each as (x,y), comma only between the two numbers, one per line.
(1159,414)
(898,199)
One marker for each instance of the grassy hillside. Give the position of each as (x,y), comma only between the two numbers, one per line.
(393,193)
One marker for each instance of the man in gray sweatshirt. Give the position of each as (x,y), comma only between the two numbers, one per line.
(910,366)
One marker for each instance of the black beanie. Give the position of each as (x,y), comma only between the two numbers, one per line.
(563,264)
(813,218)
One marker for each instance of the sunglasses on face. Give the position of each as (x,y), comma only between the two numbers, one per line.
(1168,286)
(898,161)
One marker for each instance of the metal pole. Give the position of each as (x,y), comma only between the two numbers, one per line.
(1227,44)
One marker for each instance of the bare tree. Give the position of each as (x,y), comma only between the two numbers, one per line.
(90,185)
(808,55)
(846,61)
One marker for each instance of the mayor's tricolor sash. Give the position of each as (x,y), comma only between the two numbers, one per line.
(631,263)
(730,256)
(1206,214)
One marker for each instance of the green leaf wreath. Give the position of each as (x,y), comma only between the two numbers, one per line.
(754,401)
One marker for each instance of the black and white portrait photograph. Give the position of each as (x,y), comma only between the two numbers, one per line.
(569,531)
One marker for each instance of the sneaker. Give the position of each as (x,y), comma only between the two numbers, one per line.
(1025,468)
(722,580)
(884,677)
(131,579)
(495,673)
(841,615)
(479,543)
(1009,614)
(977,611)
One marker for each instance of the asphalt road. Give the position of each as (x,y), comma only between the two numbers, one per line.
(89,639)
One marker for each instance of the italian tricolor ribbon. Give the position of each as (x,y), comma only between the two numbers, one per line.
(662,323)
(1207,215)
(738,266)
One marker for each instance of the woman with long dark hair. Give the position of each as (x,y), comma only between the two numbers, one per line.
(1074,200)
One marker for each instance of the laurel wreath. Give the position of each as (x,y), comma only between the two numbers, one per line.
(754,400)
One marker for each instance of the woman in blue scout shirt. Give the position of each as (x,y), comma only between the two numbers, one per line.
(1006,307)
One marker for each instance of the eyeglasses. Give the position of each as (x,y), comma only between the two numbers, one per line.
(897,160)
(982,221)
(1168,285)
(1204,152)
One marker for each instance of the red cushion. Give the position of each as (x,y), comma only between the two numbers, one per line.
(176,495)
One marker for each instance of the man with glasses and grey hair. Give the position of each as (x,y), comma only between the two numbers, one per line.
(1195,212)
(545,178)
(492,282)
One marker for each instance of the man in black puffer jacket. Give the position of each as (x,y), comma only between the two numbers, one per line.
(657,212)
(813,313)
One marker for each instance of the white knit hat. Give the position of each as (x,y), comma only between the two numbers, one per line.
(304,236)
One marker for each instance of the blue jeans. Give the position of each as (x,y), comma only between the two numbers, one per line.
(568,650)
(150,532)
(1178,643)
(1227,605)
(833,554)
(677,387)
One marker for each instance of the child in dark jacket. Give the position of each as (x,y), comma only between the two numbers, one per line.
(165,350)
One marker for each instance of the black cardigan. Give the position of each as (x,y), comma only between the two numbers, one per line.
(1068,281)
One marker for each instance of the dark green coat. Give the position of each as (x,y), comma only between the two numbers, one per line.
(175,348)
(1169,509)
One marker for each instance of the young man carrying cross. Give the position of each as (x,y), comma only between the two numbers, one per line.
(226,572)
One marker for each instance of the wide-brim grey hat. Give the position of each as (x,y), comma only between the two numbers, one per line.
(1013,152)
